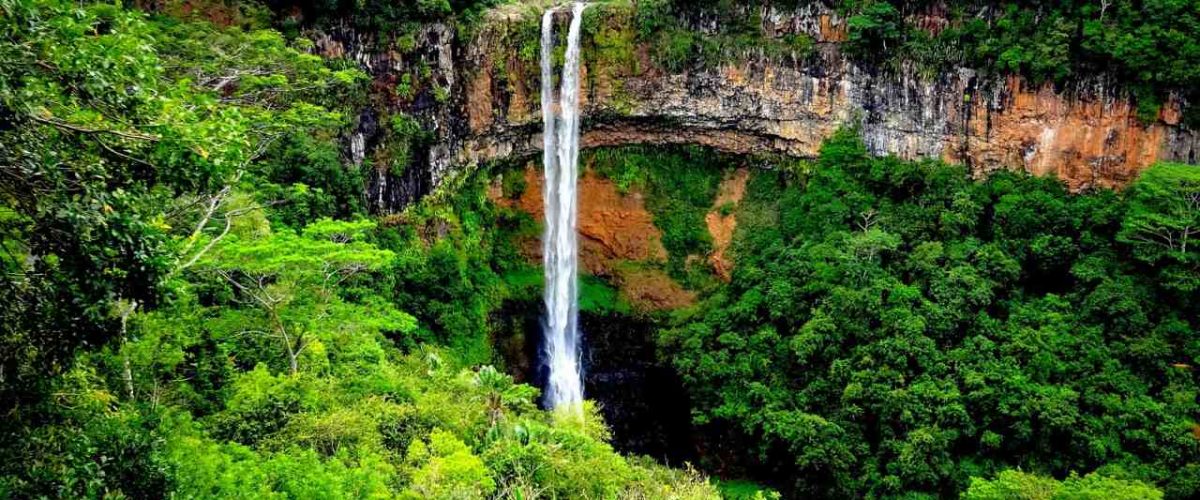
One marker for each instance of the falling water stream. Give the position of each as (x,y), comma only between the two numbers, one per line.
(560,249)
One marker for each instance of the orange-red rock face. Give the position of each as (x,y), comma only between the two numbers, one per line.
(1086,142)
(722,222)
(1088,135)
(612,227)
(617,238)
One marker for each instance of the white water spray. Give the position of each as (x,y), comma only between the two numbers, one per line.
(560,248)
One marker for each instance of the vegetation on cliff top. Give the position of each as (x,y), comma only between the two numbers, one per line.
(1150,47)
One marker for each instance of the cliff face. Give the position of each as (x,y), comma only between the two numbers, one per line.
(616,235)
(487,107)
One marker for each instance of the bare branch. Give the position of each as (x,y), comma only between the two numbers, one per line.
(229,216)
(127,369)
(84,130)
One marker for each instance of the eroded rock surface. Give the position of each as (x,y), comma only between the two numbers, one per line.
(1088,136)
(722,221)
(478,98)
(612,227)
(618,238)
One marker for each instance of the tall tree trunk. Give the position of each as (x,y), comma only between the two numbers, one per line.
(293,363)
(293,352)
(127,369)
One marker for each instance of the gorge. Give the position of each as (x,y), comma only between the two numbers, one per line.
(516,249)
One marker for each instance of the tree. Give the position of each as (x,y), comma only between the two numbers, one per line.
(1163,224)
(500,393)
(118,134)
(446,468)
(876,29)
(293,279)
(95,144)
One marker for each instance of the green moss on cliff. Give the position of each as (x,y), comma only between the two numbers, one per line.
(680,185)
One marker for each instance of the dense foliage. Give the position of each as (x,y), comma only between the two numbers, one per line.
(670,28)
(1016,485)
(384,17)
(896,328)
(120,135)
(193,304)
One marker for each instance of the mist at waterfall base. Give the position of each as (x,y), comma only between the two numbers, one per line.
(560,245)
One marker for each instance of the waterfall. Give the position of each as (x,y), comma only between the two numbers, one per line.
(560,247)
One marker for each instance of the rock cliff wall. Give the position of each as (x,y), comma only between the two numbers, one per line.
(616,236)
(477,95)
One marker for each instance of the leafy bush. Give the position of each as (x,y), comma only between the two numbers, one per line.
(1015,485)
